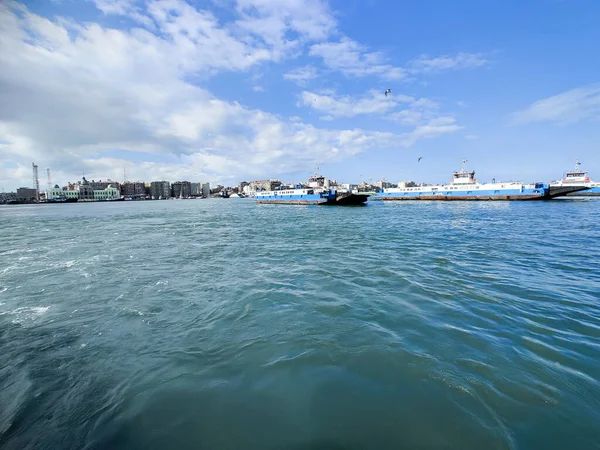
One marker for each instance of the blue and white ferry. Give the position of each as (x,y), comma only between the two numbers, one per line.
(578,178)
(464,186)
(315,194)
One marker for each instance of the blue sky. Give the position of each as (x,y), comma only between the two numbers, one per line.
(231,90)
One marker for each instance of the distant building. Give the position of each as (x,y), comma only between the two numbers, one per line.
(27,194)
(176,189)
(382,184)
(133,188)
(407,184)
(186,189)
(6,197)
(58,193)
(264,185)
(160,190)
(349,186)
(86,192)
(110,193)
(205,189)
(101,185)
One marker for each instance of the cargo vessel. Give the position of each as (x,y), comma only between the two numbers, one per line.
(577,178)
(464,186)
(316,193)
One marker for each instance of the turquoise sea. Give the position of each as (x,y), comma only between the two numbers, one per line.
(222,324)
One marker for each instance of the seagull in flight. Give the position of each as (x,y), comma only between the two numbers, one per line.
(388,91)
(420,158)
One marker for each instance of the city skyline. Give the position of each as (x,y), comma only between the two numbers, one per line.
(253,89)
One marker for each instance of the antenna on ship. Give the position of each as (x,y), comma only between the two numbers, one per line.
(316,169)
(464,165)
(577,164)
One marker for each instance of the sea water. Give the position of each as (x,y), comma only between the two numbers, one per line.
(222,324)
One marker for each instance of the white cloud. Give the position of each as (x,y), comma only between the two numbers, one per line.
(353,59)
(301,75)
(434,128)
(425,64)
(80,97)
(572,106)
(373,102)
(310,19)
(419,112)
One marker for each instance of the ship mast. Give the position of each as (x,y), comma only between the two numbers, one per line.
(464,165)
(577,164)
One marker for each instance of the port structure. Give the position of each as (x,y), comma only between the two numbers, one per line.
(36,181)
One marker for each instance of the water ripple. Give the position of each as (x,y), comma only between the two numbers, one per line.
(224,324)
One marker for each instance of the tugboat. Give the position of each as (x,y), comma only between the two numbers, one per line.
(317,193)
(464,186)
(577,178)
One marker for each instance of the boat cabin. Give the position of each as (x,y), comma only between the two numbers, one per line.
(464,177)
(576,176)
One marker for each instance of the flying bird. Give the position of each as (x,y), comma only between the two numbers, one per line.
(388,91)
(420,158)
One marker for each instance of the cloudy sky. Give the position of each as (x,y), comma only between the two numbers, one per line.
(231,90)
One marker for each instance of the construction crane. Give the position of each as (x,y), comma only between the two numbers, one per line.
(36,182)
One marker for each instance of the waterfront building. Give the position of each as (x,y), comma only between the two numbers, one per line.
(205,189)
(110,193)
(129,188)
(101,185)
(58,193)
(160,190)
(382,184)
(86,192)
(200,189)
(27,194)
(186,189)
(176,189)
(265,185)
(6,197)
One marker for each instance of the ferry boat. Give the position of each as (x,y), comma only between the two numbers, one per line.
(464,186)
(317,193)
(578,178)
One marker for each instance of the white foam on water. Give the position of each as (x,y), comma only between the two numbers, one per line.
(9,268)
(26,313)
(39,310)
